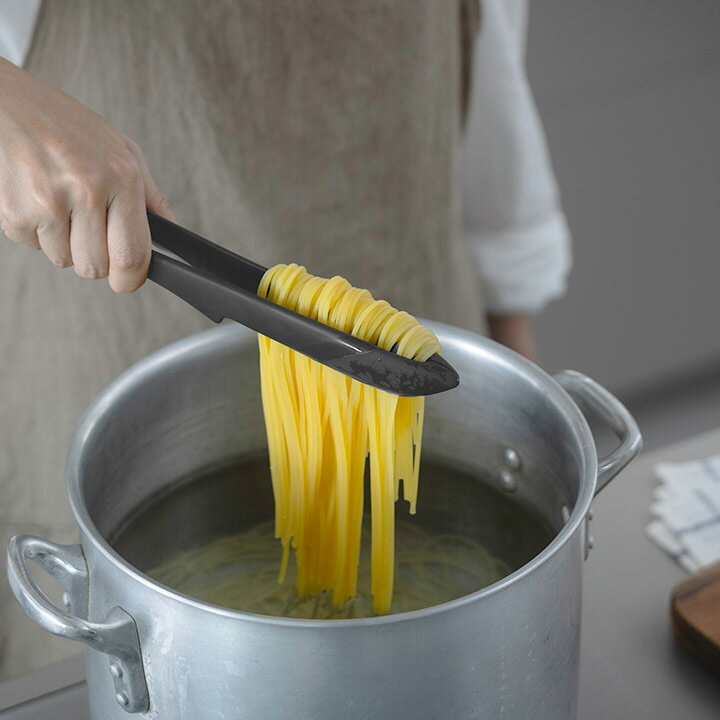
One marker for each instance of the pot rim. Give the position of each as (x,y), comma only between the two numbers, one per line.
(226,335)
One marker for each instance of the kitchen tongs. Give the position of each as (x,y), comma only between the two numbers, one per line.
(221,284)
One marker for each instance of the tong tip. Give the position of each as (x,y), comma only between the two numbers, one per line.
(399,375)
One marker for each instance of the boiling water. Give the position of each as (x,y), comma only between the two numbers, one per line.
(211,537)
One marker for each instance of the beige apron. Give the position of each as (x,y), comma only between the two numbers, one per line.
(311,131)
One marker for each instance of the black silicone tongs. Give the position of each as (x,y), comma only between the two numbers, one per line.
(221,284)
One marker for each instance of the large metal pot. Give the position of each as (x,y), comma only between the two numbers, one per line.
(509,650)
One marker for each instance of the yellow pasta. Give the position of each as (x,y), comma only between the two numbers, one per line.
(321,427)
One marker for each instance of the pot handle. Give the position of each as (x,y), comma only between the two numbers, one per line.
(115,636)
(614,413)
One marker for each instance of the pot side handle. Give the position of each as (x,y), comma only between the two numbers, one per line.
(611,411)
(115,636)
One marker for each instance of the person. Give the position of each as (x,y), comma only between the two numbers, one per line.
(330,134)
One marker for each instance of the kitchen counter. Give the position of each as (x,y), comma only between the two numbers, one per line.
(631,667)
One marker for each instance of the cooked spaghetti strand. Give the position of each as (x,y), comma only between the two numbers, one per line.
(321,425)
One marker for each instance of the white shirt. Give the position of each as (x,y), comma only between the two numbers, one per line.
(512,216)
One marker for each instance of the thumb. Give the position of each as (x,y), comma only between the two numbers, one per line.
(155,200)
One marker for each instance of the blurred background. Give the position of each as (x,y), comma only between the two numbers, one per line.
(629,94)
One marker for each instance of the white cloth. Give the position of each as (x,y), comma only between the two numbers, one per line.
(511,210)
(17,23)
(686,512)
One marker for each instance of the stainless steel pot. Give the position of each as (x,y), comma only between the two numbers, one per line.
(509,650)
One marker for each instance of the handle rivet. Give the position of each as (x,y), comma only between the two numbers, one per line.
(590,514)
(66,599)
(590,542)
(116,671)
(122,698)
(507,481)
(512,459)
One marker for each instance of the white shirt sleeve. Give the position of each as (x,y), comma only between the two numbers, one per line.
(17,24)
(512,216)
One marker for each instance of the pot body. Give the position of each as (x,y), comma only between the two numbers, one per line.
(510,654)
(508,651)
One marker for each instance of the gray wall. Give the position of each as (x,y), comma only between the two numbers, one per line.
(629,92)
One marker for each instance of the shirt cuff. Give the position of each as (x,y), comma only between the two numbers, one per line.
(523,269)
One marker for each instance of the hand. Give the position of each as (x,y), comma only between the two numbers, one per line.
(515,332)
(73,185)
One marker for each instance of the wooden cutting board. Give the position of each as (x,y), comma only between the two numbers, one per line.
(695,615)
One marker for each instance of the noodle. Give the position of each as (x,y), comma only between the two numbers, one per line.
(321,426)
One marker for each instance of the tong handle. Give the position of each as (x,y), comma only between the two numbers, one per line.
(205,255)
